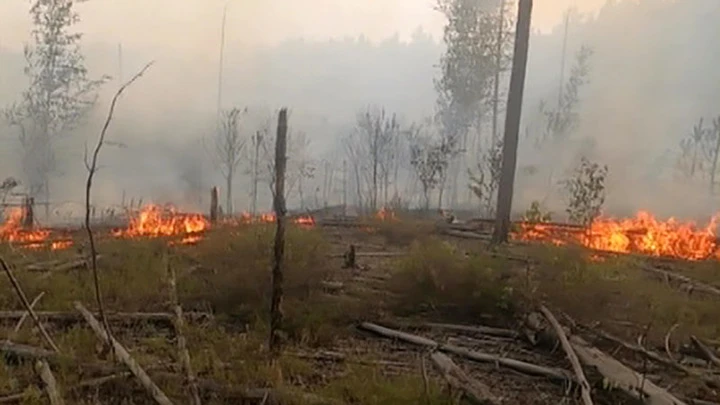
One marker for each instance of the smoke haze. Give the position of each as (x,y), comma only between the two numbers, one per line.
(653,74)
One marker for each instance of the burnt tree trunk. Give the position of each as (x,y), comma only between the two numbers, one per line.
(512,123)
(214,205)
(276,314)
(29,214)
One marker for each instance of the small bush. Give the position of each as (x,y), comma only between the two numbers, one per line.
(434,278)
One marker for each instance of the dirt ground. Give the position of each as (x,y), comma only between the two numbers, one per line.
(464,298)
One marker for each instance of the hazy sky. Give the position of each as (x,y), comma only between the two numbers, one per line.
(194,24)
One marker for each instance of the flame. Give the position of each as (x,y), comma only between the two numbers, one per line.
(247,218)
(154,221)
(642,234)
(385,215)
(12,230)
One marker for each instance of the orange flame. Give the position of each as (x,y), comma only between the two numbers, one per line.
(642,234)
(385,215)
(12,231)
(247,218)
(154,221)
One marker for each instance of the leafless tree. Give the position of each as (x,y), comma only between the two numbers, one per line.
(60,93)
(429,159)
(228,145)
(699,152)
(370,150)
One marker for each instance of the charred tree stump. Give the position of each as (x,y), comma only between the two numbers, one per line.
(29,213)
(349,257)
(214,205)
(276,314)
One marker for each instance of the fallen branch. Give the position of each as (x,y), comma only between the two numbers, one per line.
(368,254)
(692,285)
(24,316)
(338,357)
(124,356)
(704,350)
(482,330)
(42,368)
(459,380)
(616,373)
(58,267)
(28,307)
(572,357)
(517,365)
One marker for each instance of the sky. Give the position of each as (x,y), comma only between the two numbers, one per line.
(194,25)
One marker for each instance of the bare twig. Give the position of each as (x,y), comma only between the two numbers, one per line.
(26,304)
(179,324)
(459,380)
(572,357)
(92,169)
(25,314)
(42,368)
(667,341)
(426,381)
(125,357)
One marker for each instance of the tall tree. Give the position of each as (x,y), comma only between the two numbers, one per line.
(467,69)
(512,122)
(60,93)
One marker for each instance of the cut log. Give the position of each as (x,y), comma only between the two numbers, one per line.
(458,379)
(124,356)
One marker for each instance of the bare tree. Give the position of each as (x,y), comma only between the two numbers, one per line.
(370,150)
(699,152)
(429,159)
(228,145)
(59,95)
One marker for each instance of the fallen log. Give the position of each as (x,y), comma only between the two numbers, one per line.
(466,234)
(458,379)
(693,285)
(617,374)
(479,329)
(124,356)
(517,365)
(42,368)
(59,266)
(572,357)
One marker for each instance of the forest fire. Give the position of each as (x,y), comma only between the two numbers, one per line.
(385,215)
(154,221)
(642,234)
(12,230)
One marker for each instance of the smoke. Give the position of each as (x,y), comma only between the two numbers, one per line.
(653,74)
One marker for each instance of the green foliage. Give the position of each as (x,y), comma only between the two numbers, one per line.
(535,214)
(429,159)
(60,93)
(586,192)
(485,183)
(562,120)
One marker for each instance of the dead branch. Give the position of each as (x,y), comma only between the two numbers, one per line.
(555,374)
(517,365)
(667,341)
(124,356)
(24,316)
(57,266)
(572,357)
(367,254)
(179,324)
(28,307)
(705,351)
(92,168)
(338,357)
(459,380)
(690,283)
(616,373)
(482,330)
(42,368)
